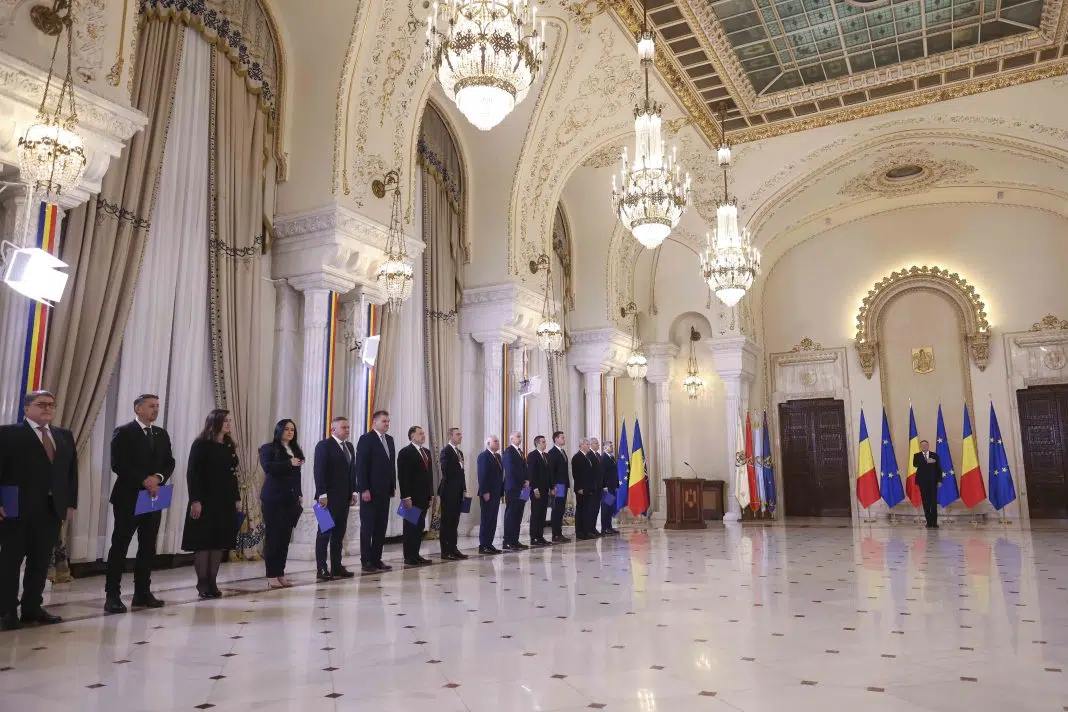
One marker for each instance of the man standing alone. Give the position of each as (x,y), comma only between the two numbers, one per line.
(928,475)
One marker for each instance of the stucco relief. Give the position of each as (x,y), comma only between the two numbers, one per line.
(904,172)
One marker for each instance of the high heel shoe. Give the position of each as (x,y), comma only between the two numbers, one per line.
(273,583)
(285,582)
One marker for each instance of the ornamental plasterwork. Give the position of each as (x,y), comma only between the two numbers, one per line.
(878,180)
(806,344)
(951,284)
(88,41)
(605,157)
(1050,323)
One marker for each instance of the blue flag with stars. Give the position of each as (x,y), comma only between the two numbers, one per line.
(1002,491)
(890,486)
(947,487)
(622,471)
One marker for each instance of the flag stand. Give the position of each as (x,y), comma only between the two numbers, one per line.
(867,514)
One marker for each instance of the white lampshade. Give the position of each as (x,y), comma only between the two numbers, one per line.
(730,297)
(35,273)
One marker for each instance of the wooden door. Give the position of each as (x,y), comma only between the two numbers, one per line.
(1043,422)
(815,458)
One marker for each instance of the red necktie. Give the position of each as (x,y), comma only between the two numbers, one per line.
(426,462)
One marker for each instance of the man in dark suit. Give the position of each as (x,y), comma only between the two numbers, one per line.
(452,490)
(515,481)
(490,489)
(538,472)
(376,476)
(141,458)
(593,503)
(928,475)
(416,478)
(558,476)
(610,483)
(41,461)
(335,489)
(582,471)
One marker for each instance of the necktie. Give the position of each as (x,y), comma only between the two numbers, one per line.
(497,456)
(151,438)
(348,454)
(46,441)
(460,454)
(426,461)
(544,461)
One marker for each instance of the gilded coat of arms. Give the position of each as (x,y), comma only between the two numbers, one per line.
(923,359)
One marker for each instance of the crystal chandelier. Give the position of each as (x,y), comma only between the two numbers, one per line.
(693,383)
(488,56)
(395,276)
(549,333)
(652,194)
(730,263)
(637,363)
(51,155)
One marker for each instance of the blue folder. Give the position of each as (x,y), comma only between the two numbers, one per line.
(9,500)
(608,498)
(561,490)
(410,514)
(322,516)
(465,508)
(524,494)
(146,504)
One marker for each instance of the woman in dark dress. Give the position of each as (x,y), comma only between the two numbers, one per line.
(214,499)
(281,497)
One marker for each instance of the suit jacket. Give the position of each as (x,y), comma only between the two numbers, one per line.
(515,471)
(490,475)
(335,475)
(453,478)
(538,471)
(416,477)
(133,459)
(376,467)
(24,464)
(927,473)
(281,482)
(585,477)
(558,468)
(609,472)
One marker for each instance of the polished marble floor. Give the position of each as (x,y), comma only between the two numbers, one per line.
(798,617)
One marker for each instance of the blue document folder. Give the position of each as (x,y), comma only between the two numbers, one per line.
(465,508)
(524,494)
(146,503)
(9,500)
(410,514)
(322,516)
(608,498)
(561,490)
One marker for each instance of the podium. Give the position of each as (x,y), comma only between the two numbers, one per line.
(685,508)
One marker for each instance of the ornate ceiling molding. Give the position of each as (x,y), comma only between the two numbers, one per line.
(904,173)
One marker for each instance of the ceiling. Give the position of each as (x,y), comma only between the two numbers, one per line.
(779,66)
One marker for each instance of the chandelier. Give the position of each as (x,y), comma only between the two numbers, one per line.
(549,333)
(637,363)
(652,193)
(488,56)
(693,383)
(395,276)
(51,155)
(730,263)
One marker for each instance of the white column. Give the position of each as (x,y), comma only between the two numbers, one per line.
(735,360)
(492,385)
(287,345)
(660,358)
(14,310)
(610,407)
(517,353)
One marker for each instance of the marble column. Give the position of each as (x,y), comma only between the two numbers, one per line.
(493,387)
(609,416)
(592,385)
(517,354)
(735,360)
(287,345)
(660,358)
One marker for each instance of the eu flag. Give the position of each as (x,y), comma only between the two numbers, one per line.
(622,470)
(890,476)
(1002,491)
(947,487)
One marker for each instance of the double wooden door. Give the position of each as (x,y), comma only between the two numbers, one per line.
(815,458)
(1043,431)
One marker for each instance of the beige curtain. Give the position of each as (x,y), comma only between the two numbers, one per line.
(105,240)
(385,360)
(239,171)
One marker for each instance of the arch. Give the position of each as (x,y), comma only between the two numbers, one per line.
(679,331)
(934,279)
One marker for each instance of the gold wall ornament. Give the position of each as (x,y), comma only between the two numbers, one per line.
(806,344)
(923,360)
(951,284)
(905,172)
(1050,323)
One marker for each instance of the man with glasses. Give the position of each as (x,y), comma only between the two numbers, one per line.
(39,471)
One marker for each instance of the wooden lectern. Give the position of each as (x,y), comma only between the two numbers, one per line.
(684,503)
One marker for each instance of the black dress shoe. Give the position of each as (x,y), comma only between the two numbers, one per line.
(582,537)
(520,546)
(369,569)
(511,547)
(425,561)
(40,615)
(460,555)
(413,562)
(114,604)
(215,592)
(561,540)
(383,567)
(342,573)
(323,575)
(486,550)
(450,557)
(9,621)
(145,600)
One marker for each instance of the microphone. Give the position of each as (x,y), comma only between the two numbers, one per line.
(691,469)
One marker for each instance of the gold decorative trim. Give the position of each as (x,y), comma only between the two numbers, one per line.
(1050,323)
(806,344)
(951,284)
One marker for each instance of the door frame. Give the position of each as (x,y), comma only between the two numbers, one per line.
(845,419)
(1023,475)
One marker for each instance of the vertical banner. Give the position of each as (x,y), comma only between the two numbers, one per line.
(331,349)
(506,389)
(37,329)
(369,372)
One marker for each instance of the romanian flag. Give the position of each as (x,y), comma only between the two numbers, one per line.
(867,480)
(40,313)
(637,491)
(750,469)
(912,490)
(972,489)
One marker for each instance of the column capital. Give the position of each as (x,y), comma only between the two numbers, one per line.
(602,350)
(322,281)
(735,358)
(501,312)
(660,357)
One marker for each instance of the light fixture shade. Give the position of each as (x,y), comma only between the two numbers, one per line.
(723,154)
(729,263)
(486,55)
(395,278)
(35,273)
(51,157)
(646,45)
(637,365)
(693,385)
(550,336)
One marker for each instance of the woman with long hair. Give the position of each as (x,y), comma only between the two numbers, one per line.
(214,500)
(282,498)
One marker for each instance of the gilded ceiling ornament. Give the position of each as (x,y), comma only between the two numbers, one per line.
(905,172)
(806,344)
(606,157)
(585,10)
(1050,323)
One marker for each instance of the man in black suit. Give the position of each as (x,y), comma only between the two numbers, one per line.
(376,476)
(558,476)
(610,483)
(582,471)
(515,481)
(452,490)
(593,503)
(335,489)
(41,461)
(538,472)
(490,489)
(928,475)
(416,487)
(142,460)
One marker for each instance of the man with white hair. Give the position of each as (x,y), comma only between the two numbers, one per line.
(515,481)
(490,489)
(594,502)
(583,474)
